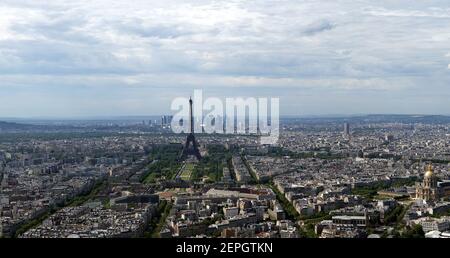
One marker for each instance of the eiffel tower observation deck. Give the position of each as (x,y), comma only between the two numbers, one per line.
(191,146)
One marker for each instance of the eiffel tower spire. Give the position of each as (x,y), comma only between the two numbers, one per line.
(191,147)
(191,116)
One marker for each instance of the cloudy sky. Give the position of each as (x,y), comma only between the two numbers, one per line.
(88,58)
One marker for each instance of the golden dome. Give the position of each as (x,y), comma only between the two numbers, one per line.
(429,172)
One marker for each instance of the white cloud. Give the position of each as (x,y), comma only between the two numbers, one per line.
(315,46)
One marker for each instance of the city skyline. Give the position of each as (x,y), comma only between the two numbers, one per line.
(225,126)
(157,117)
(86,59)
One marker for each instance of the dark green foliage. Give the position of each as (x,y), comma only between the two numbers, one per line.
(370,191)
(395,215)
(157,222)
(165,162)
(212,165)
(289,209)
(415,231)
(307,231)
(320,154)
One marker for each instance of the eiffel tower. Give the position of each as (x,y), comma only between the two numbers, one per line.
(189,150)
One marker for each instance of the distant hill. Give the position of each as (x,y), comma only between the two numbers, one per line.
(427,119)
(377,118)
(15,126)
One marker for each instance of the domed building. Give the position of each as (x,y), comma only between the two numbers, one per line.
(430,189)
(427,190)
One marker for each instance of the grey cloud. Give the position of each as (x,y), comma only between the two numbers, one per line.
(310,48)
(318,26)
(163,31)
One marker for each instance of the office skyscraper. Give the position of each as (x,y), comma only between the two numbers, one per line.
(346,129)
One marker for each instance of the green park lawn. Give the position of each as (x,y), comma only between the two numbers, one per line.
(187,172)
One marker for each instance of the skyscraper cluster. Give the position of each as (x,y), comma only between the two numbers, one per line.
(166,120)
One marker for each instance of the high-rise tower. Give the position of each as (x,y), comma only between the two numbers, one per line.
(346,129)
(191,146)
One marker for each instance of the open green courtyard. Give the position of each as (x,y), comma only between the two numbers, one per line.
(186,172)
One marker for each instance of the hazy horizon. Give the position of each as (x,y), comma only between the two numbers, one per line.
(158,116)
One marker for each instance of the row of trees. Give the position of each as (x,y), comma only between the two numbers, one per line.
(165,162)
